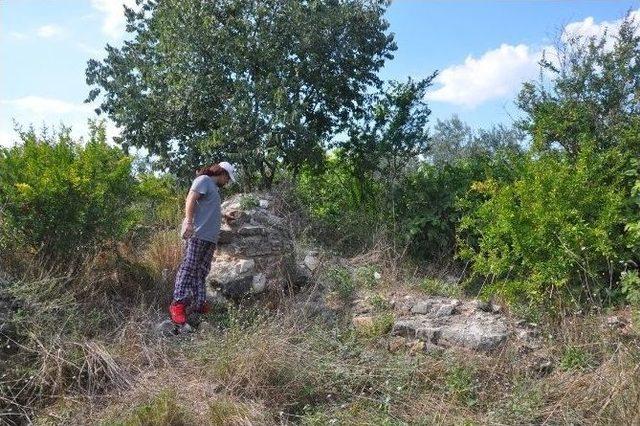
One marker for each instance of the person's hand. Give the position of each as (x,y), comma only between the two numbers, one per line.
(187,229)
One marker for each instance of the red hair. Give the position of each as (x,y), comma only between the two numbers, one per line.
(212,170)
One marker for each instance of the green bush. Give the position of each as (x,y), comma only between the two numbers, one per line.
(340,281)
(342,214)
(552,235)
(430,201)
(64,197)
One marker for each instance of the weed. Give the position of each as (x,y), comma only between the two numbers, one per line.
(249,202)
(380,304)
(575,358)
(366,277)
(380,325)
(438,287)
(341,282)
(631,287)
(225,410)
(459,383)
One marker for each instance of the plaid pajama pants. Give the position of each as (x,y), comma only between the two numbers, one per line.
(190,280)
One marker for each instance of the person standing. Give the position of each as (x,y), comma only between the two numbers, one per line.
(200,228)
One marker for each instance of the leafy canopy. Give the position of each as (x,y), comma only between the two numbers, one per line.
(263,83)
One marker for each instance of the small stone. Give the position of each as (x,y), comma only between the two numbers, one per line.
(416,346)
(429,334)
(185,329)
(311,262)
(543,366)
(363,322)
(167,328)
(446,310)
(395,344)
(496,309)
(259,283)
(264,204)
(423,307)
(480,305)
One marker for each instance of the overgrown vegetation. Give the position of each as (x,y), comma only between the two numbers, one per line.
(552,229)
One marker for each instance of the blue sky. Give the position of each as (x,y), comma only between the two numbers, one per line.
(484,50)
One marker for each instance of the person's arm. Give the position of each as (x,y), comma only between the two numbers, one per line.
(189,209)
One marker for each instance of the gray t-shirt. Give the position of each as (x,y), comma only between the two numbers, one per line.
(206,217)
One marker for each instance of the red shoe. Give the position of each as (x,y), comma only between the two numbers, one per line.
(177,312)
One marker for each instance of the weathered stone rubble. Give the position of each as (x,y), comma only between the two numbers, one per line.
(255,250)
(438,322)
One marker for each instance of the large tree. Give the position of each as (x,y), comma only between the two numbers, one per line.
(263,83)
(592,95)
(387,135)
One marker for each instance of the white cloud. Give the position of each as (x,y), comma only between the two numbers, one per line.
(50,31)
(113,24)
(500,72)
(590,28)
(497,73)
(40,105)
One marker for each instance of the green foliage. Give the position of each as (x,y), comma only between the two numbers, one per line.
(380,304)
(248,202)
(433,199)
(159,202)
(341,282)
(331,200)
(551,235)
(453,140)
(386,136)
(630,282)
(65,197)
(381,324)
(460,384)
(365,277)
(575,358)
(437,287)
(259,83)
(592,95)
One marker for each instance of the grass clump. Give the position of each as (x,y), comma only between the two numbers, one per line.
(575,358)
(341,282)
(366,277)
(160,410)
(228,411)
(460,384)
(436,287)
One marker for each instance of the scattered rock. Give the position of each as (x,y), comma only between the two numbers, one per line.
(449,322)
(416,346)
(542,366)
(167,328)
